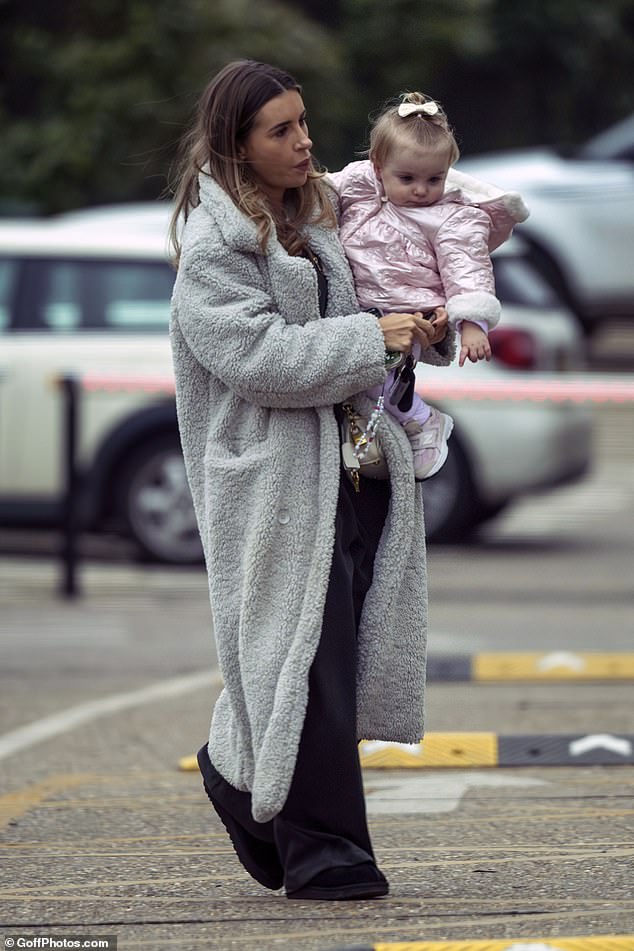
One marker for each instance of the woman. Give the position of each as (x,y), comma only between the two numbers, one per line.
(317,593)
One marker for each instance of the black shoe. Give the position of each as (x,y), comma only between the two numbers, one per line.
(344,883)
(259,858)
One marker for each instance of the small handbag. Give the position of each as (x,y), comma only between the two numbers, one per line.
(361,450)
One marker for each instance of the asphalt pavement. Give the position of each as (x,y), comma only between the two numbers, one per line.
(103,834)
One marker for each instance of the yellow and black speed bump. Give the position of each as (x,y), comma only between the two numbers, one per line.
(464,750)
(491,749)
(566,750)
(537,667)
(595,943)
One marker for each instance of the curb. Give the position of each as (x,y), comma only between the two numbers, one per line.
(551,666)
(462,750)
(596,943)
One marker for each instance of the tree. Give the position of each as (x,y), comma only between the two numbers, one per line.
(509,72)
(565,67)
(97,94)
(410,44)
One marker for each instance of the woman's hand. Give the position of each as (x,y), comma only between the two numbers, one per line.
(401,331)
(440,324)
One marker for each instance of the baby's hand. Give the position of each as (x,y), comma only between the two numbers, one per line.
(474,343)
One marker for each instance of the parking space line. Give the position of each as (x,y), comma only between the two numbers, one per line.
(59,723)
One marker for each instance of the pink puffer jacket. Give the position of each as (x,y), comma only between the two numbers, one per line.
(407,259)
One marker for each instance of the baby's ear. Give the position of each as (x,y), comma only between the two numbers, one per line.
(377,170)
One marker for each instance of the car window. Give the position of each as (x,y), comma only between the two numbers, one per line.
(60,305)
(121,296)
(517,281)
(8,273)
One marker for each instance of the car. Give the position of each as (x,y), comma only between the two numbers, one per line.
(580,231)
(501,449)
(617,142)
(87,294)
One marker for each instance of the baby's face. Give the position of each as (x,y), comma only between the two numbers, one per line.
(413,178)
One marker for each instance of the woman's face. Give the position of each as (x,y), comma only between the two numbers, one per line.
(277,147)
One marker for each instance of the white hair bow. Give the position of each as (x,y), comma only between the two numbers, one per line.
(417,108)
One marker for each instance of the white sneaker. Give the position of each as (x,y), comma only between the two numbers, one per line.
(429,443)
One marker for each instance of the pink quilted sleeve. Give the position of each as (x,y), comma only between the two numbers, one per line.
(464,264)
(355,182)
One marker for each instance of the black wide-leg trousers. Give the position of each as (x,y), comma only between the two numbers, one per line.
(323,822)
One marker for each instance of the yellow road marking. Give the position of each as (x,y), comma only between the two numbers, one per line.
(556,665)
(437,749)
(598,943)
(16,804)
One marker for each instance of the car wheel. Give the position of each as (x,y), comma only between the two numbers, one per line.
(156,503)
(489,510)
(449,498)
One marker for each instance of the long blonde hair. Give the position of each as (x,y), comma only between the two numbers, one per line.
(225,115)
(429,132)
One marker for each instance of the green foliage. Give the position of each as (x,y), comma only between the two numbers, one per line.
(566,67)
(401,45)
(98,93)
(509,72)
(99,96)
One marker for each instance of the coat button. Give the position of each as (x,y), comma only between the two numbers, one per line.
(283,516)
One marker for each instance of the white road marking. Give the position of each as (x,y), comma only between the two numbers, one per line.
(532,946)
(605,741)
(565,659)
(402,795)
(65,720)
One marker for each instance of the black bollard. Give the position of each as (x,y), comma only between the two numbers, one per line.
(69,587)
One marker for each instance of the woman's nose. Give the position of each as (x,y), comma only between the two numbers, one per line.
(303,142)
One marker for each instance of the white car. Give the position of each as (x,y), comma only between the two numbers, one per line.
(581,226)
(88,293)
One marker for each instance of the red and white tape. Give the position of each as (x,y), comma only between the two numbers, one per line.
(532,389)
(555,389)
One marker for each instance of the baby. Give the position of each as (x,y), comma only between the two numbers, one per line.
(418,236)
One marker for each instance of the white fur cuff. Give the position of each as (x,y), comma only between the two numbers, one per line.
(514,204)
(476,306)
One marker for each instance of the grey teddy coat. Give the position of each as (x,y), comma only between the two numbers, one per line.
(257,374)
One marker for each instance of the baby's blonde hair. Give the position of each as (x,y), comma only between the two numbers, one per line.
(431,133)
